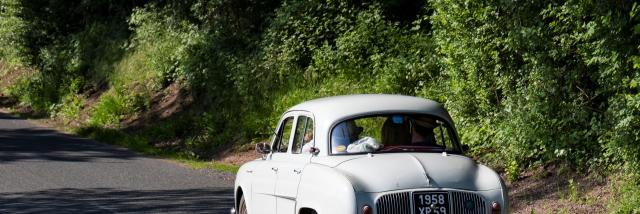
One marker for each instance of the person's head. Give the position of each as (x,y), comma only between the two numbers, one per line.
(396,131)
(308,136)
(423,132)
(354,130)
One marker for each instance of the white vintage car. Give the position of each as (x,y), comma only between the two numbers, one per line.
(367,154)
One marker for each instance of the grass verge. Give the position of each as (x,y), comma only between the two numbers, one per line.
(199,164)
(140,144)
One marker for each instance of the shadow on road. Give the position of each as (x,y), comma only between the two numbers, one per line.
(34,144)
(209,200)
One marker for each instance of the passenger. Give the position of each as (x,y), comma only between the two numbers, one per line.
(396,131)
(308,142)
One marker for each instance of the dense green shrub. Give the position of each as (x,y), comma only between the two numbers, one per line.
(528,83)
(31,92)
(12,29)
(109,111)
(626,192)
(532,80)
(67,42)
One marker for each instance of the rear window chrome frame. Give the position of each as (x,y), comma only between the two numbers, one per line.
(450,129)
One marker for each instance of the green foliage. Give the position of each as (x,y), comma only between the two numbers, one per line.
(528,83)
(513,171)
(620,142)
(31,92)
(69,109)
(162,39)
(301,27)
(532,80)
(198,164)
(12,30)
(572,190)
(626,195)
(109,111)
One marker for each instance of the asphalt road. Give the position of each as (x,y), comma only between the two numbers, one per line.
(44,171)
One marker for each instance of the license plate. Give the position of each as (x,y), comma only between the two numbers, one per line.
(431,202)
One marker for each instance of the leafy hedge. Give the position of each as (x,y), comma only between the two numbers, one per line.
(528,83)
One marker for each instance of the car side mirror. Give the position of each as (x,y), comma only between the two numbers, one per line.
(465,147)
(263,148)
(314,150)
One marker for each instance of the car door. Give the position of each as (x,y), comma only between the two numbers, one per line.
(264,182)
(291,164)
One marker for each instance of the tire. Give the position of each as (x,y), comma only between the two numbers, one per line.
(242,206)
(308,211)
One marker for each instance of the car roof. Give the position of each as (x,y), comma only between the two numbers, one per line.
(337,108)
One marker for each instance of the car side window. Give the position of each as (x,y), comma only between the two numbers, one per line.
(303,138)
(441,135)
(282,142)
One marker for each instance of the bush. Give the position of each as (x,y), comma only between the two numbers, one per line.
(109,111)
(528,83)
(31,91)
(627,195)
(69,109)
(12,30)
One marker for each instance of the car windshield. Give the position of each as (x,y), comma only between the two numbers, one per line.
(393,133)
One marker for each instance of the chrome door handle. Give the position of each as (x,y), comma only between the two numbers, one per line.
(274,169)
(249,171)
(297,171)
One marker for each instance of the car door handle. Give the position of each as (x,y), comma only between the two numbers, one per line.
(297,171)
(249,171)
(274,169)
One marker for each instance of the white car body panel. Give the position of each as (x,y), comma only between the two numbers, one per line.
(290,168)
(326,191)
(341,184)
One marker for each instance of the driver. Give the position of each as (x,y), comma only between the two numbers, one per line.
(344,134)
(354,130)
(357,145)
(421,134)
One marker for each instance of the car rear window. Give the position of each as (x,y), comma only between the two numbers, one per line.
(393,133)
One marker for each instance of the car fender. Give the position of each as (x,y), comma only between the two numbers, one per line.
(326,191)
(243,181)
(488,177)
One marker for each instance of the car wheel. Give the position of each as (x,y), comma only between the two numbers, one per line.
(308,211)
(242,206)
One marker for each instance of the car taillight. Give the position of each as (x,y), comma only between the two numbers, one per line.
(495,208)
(366,209)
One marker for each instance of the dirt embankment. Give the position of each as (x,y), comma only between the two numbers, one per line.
(553,190)
(8,76)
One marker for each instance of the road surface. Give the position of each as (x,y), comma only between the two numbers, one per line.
(44,171)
